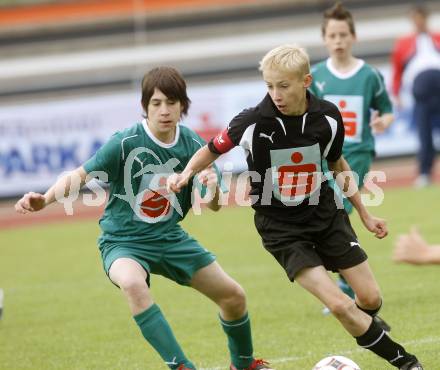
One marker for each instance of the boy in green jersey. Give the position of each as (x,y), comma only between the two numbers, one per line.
(358,90)
(140,231)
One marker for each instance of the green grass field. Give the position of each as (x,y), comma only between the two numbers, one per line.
(61,312)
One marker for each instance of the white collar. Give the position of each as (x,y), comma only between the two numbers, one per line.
(346,75)
(156,140)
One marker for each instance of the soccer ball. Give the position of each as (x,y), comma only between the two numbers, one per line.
(336,363)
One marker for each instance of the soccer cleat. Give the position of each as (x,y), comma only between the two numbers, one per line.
(257,364)
(382,323)
(412,365)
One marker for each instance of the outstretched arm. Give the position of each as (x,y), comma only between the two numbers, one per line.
(412,248)
(33,202)
(200,160)
(345,180)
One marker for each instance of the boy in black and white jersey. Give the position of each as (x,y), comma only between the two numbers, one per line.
(286,137)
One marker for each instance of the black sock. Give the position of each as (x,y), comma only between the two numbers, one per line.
(377,341)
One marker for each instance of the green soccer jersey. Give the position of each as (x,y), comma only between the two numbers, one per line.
(355,94)
(137,165)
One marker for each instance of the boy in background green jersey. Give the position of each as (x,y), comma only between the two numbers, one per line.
(140,231)
(358,90)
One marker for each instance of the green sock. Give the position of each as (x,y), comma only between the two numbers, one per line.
(239,340)
(158,333)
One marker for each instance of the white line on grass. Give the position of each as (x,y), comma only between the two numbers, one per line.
(415,342)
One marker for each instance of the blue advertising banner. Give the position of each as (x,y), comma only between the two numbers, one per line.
(40,140)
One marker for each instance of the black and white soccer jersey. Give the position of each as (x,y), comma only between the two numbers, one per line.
(284,156)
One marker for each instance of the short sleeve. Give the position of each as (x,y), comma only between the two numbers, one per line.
(381,99)
(333,150)
(108,158)
(198,142)
(232,135)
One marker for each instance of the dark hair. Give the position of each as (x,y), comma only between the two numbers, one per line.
(339,13)
(420,9)
(170,82)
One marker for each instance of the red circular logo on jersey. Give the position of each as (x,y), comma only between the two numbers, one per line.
(296,157)
(154,204)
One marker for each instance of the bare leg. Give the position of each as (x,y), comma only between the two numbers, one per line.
(318,282)
(368,333)
(214,283)
(362,280)
(130,276)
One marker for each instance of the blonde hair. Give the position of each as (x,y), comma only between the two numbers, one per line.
(288,58)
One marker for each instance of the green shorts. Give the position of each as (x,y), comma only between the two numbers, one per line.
(177,260)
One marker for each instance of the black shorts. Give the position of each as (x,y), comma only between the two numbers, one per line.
(328,242)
